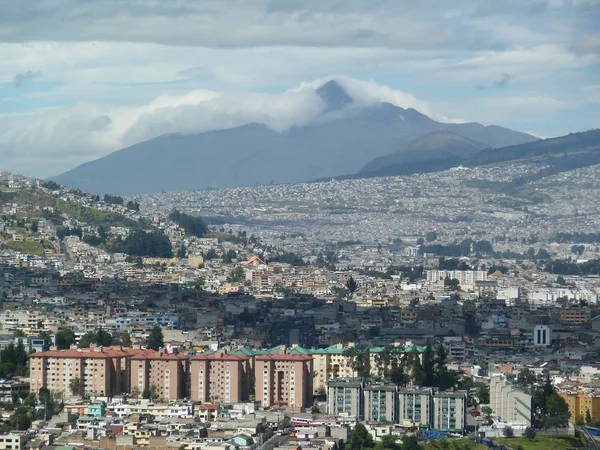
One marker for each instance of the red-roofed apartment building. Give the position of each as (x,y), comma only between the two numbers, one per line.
(107,371)
(284,381)
(98,370)
(164,374)
(220,377)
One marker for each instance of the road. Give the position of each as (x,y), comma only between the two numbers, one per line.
(274,441)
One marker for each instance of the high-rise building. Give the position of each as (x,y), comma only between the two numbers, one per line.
(219,377)
(510,403)
(381,402)
(345,397)
(415,407)
(75,371)
(284,380)
(162,374)
(450,411)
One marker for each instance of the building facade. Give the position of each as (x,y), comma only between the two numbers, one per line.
(219,377)
(415,407)
(450,411)
(162,374)
(511,404)
(285,381)
(381,403)
(345,398)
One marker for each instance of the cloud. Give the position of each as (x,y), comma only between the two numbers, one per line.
(49,141)
(502,82)
(24,77)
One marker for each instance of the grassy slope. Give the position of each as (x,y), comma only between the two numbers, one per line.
(542,442)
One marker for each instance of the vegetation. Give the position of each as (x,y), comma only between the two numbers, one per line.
(31,248)
(99,337)
(192,225)
(64,338)
(14,360)
(565,267)
(155,340)
(153,244)
(530,441)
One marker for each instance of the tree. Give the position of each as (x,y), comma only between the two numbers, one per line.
(508,432)
(64,338)
(155,340)
(487,412)
(410,443)
(361,439)
(389,441)
(529,433)
(351,286)
(526,379)
(483,394)
(557,412)
(87,339)
(75,386)
(588,417)
(182,251)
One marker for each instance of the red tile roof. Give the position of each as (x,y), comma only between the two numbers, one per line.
(284,357)
(219,357)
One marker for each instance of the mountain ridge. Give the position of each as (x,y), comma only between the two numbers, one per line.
(345,137)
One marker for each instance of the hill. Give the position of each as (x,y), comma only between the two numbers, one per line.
(345,137)
(562,153)
(434,145)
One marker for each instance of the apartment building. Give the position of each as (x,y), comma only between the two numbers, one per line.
(345,397)
(163,374)
(580,401)
(220,377)
(13,441)
(575,316)
(381,402)
(510,403)
(76,371)
(450,411)
(330,363)
(415,407)
(284,380)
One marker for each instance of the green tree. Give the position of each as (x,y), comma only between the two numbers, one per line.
(351,286)
(75,386)
(588,417)
(508,432)
(360,439)
(64,338)
(483,394)
(410,442)
(526,379)
(155,340)
(557,412)
(388,441)
(87,339)
(529,433)
(487,412)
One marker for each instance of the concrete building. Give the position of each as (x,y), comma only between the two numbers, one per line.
(542,336)
(219,377)
(581,401)
(345,398)
(284,380)
(415,407)
(163,374)
(12,441)
(95,370)
(450,411)
(381,402)
(511,404)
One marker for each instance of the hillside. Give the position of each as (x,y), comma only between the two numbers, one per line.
(345,137)
(435,145)
(563,153)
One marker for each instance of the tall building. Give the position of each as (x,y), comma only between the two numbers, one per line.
(541,335)
(381,402)
(284,381)
(450,411)
(74,371)
(163,374)
(331,363)
(345,397)
(582,401)
(415,407)
(219,377)
(510,403)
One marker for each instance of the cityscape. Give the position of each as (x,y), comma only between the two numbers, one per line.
(300,225)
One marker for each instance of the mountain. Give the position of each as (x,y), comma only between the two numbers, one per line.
(561,154)
(345,137)
(435,145)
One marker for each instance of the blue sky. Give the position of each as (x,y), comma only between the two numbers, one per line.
(81,79)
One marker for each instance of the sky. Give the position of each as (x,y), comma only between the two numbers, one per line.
(82,78)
